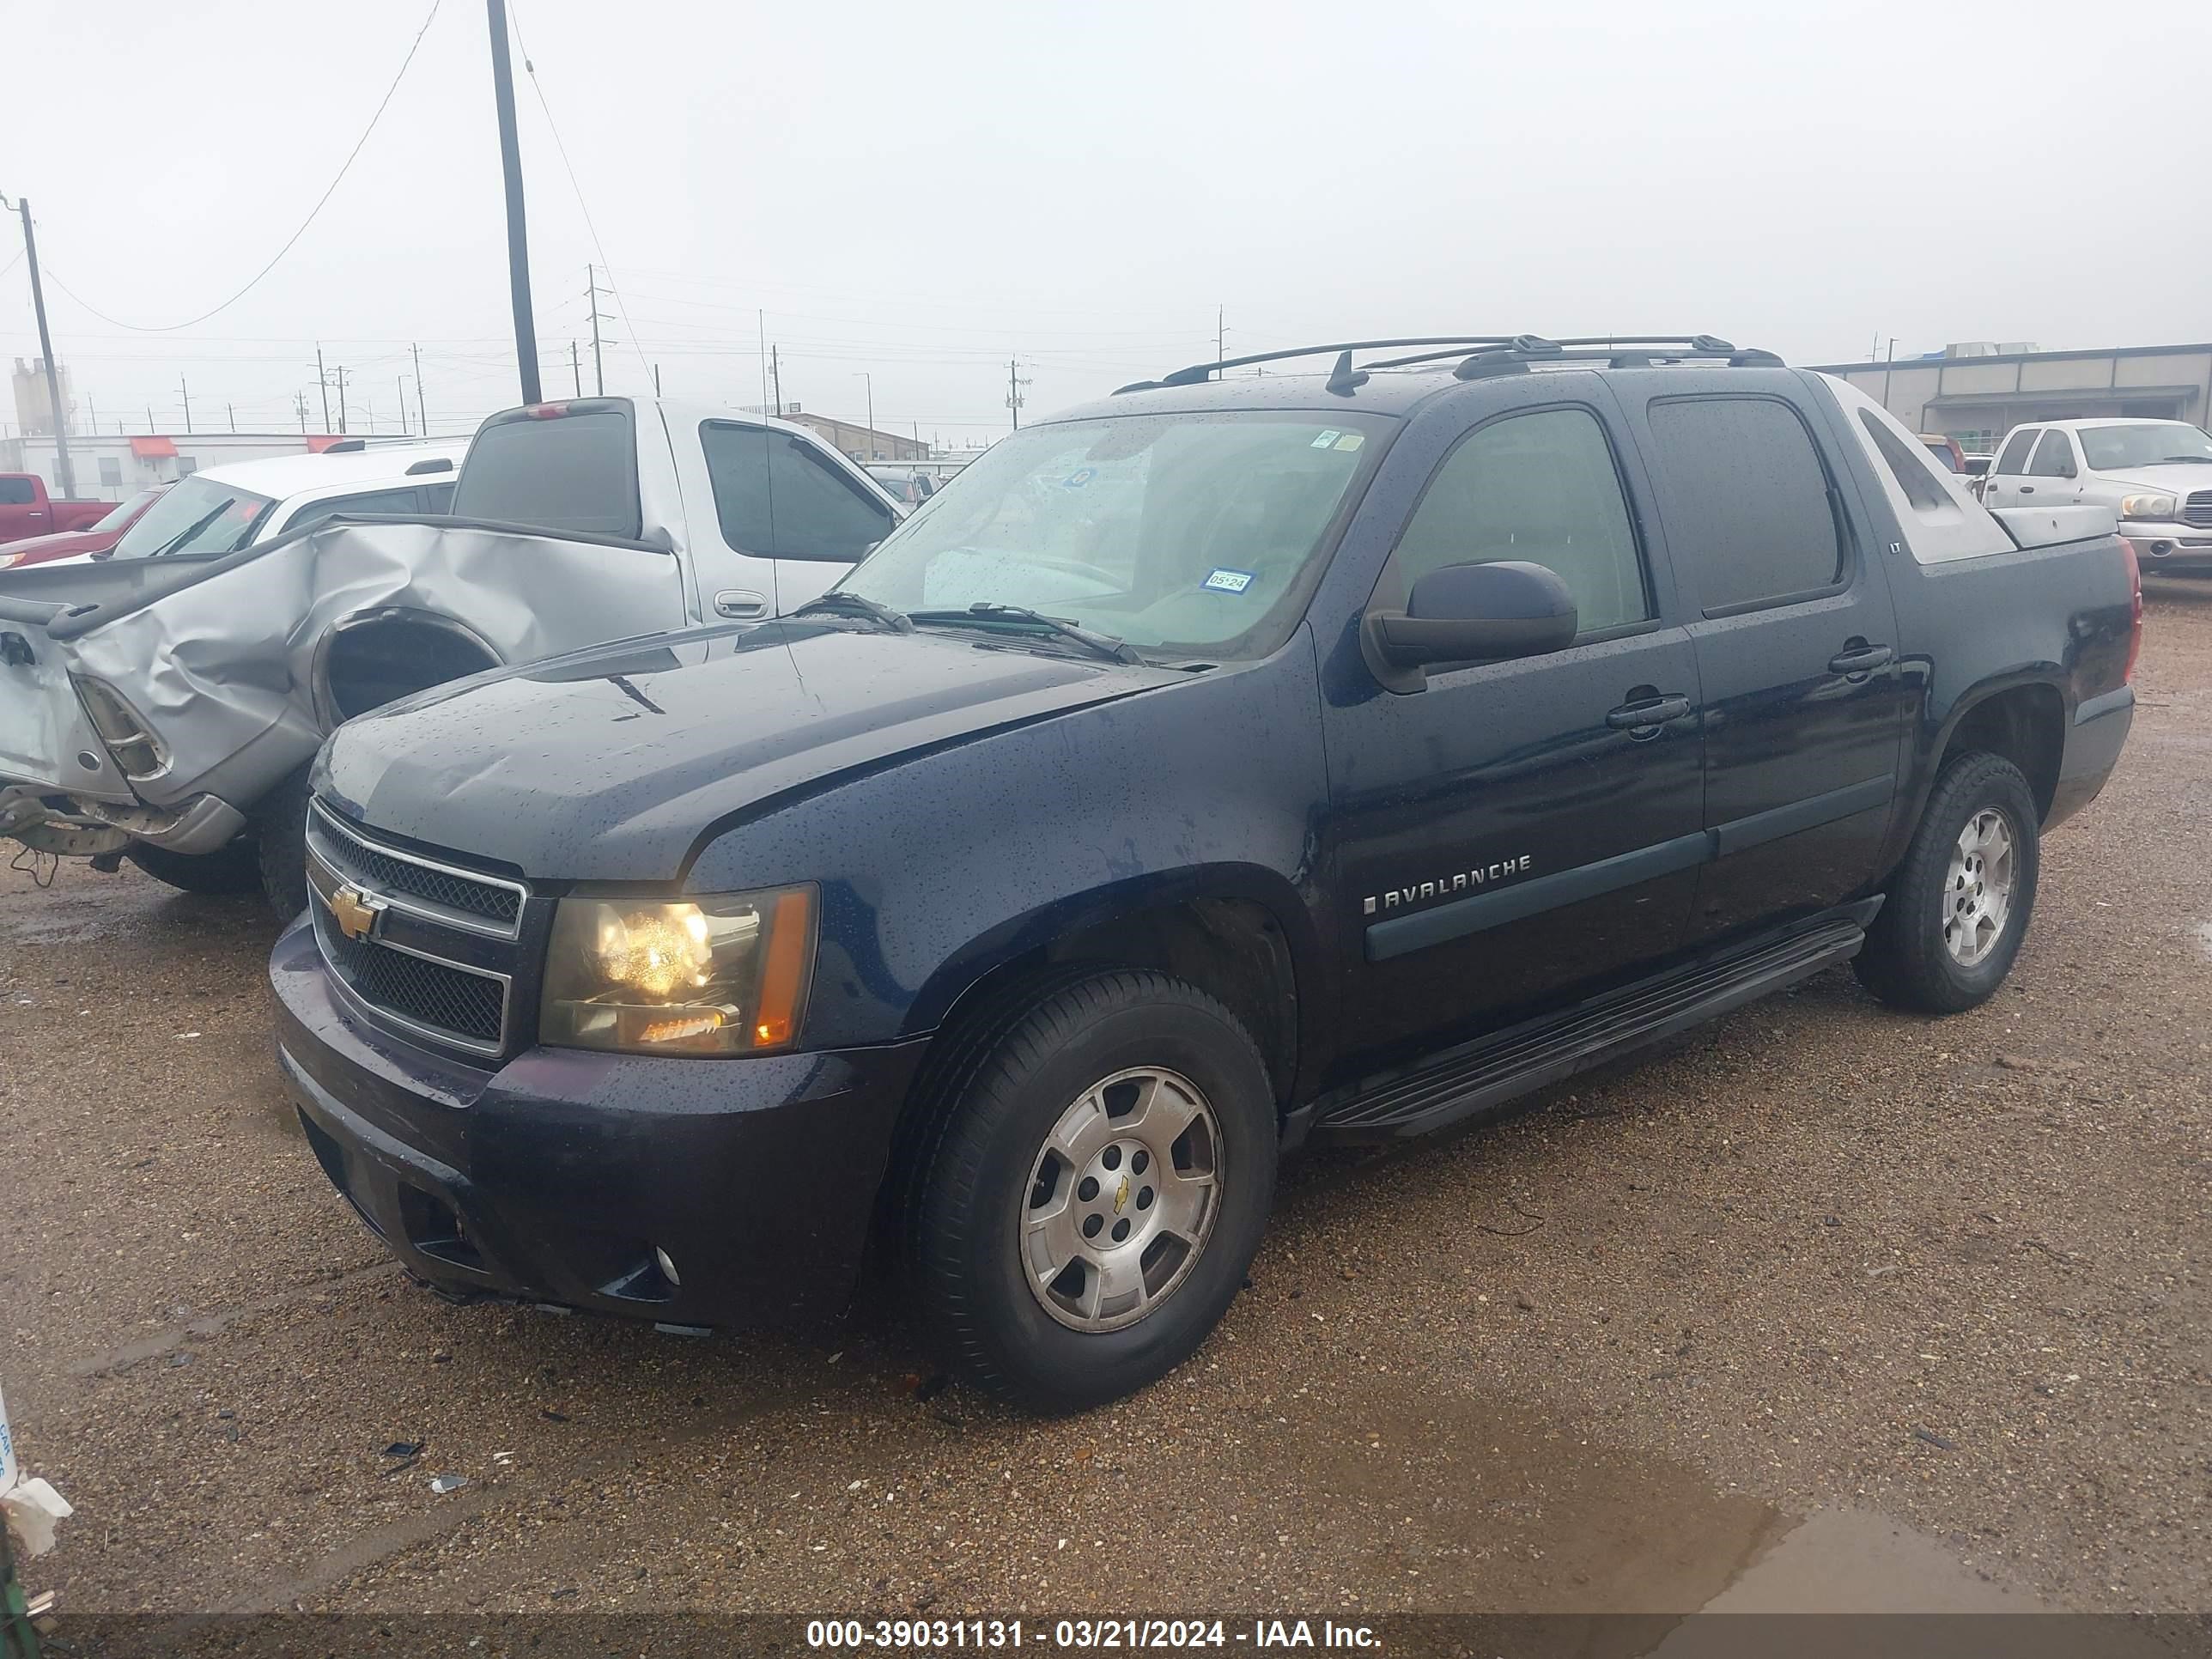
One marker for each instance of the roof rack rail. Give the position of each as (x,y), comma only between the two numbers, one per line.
(1484,354)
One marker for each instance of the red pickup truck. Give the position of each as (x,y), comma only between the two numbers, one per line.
(25,509)
(67,543)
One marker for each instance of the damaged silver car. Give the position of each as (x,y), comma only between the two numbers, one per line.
(166,709)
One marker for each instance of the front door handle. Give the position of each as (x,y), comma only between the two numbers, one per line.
(1643,718)
(1858,659)
(741,604)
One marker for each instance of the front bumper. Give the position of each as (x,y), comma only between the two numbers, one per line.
(2169,546)
(556,1176)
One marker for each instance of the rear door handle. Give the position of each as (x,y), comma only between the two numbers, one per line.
(1645,718)
(2027,490)
(741,604)
(1857,659)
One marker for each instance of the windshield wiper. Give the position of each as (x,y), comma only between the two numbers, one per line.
(192,529)
(983,611)
(838,602)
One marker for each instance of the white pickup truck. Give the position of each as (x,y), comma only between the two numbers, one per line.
(2156,474)
(166,710)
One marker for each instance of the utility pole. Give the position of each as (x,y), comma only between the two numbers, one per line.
(399,381)
(93,410)
(300,403)
(185,393)
(422,414)
(64,474)
(518,233)
(775,373)
(871,381)
(576,367)
(592,300)
(231,409)
(342,410)
(1015,382)
(323,379)
(1888,357)
(1220,336)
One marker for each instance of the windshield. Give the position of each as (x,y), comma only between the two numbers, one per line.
(1180,534)
(121,516)
(2154,444)
(197,516)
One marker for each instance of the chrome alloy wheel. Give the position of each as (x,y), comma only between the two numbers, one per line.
(1977,894)
(1121,1199)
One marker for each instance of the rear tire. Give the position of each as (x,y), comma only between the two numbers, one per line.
(1958,906)
(1085,1209)
(234,868)
(281,835)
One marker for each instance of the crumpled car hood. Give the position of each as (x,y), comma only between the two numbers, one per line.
(614,764)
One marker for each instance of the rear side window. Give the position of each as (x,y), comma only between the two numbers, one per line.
(1909,469)
(1540,487)
(573,472)
(2014,459)
(2054,457)
(778,497)
(1749,514)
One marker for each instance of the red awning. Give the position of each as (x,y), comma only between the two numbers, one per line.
(316,446)
(151,449)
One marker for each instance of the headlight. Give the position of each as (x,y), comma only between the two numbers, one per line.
(726,974)
(2146,506)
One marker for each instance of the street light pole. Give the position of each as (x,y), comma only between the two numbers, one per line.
(871,381)
(518,233)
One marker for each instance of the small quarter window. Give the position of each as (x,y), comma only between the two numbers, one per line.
(1906,465)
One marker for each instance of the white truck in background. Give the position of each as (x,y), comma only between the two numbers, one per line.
(166,709)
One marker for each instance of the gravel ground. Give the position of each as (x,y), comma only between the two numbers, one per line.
(1818,1256)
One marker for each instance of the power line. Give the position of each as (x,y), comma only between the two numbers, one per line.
(171,328)
(529,69)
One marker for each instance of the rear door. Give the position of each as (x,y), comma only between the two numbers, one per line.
(2009,471)
(1510,832)
(1795,638)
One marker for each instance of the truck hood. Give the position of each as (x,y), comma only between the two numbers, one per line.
(613,764)
(2179,482)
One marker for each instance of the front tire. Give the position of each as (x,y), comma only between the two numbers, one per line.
(1958,906)
(280,834)
(1104,1172)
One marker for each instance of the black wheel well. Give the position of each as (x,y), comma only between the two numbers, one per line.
(2024,724)
(378,656)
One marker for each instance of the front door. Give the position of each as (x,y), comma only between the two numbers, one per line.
(2009,471)
(1805,693)
(1513,831)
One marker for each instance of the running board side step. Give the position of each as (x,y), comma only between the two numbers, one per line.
(1483,1075)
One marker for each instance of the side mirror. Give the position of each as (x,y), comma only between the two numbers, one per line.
(1476,612)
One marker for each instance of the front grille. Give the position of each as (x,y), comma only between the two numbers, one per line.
(2198,510)
(448,1000)
(388,872)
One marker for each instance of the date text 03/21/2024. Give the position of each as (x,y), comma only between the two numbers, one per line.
(939,1635)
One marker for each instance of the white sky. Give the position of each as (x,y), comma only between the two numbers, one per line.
(921,192)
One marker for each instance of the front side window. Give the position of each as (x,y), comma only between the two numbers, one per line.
(1542,488)
(1197,534)
(2014,459)
(1748,511)
(779,497)
(2054,457)
(17,492)
(198,517)
(2155,443)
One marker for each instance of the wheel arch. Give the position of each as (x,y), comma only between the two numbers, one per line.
(445,648)
(2023,719)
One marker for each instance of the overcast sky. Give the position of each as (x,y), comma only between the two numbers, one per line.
(922,192)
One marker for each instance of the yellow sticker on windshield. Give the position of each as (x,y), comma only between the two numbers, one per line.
(1351,441)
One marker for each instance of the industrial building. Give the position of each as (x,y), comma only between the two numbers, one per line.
(1977,391)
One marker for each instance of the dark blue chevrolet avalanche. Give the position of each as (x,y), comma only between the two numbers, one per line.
(1239,763)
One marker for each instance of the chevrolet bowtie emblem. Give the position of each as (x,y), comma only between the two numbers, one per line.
(1121,1196)
(355,913)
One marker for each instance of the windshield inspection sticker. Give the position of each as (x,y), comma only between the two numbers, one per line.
(1080,477)
(1326,438)
(1349,440)
(1225,580)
